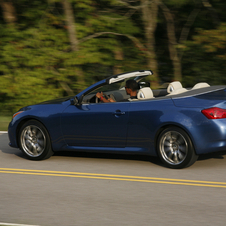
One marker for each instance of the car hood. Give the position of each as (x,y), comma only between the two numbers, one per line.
(57,101)
(60,102)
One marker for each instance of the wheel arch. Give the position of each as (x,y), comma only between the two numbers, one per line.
(23,121)
(163,127)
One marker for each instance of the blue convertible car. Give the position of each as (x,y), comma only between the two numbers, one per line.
(175,123)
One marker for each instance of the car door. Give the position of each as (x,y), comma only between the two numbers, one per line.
(96,125)
(145,118)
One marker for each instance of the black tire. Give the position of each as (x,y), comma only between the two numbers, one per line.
(175,148)
(34,141)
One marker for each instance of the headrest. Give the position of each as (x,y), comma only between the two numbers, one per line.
(174,86)
(145,93)
(178,91)
(200,85)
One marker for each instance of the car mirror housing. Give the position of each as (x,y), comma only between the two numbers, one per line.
(75,101)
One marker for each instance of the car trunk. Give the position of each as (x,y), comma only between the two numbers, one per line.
(215,98)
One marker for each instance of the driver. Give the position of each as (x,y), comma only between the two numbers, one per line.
(131,88)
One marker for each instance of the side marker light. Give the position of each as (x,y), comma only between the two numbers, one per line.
(17,114)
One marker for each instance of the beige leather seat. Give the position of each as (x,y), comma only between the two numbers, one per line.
(175,88)
(145,93)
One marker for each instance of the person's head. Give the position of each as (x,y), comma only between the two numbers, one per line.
(131,87)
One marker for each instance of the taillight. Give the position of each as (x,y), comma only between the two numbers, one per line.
(214,113)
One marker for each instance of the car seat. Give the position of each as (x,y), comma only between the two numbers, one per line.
(145,93)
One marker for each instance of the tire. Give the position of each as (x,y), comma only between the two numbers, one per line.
(34,141)
(175,148)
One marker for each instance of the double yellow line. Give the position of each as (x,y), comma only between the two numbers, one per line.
(115,177)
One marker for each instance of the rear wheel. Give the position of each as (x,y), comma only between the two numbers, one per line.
(34,141)
(175,148)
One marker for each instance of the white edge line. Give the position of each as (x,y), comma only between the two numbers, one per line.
(3,132)
(9,224)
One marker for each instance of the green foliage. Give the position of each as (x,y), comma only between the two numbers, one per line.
(36,60)
(4,122)
(213,41)
(206,56)
(29,65)
(37,63)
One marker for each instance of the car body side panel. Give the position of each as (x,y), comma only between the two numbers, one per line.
(146,118)
(96,125)
(207,136)
(48,114)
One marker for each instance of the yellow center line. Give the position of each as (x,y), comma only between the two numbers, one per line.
(114,177)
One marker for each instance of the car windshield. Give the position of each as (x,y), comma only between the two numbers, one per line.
(109,87)
(114,90)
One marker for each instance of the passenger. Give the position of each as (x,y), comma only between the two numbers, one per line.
(131,88)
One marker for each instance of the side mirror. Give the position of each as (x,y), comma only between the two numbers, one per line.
(74,101)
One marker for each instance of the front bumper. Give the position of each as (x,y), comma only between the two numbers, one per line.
(12,136)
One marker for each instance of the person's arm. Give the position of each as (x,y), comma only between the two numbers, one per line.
(111,100)
(102,98)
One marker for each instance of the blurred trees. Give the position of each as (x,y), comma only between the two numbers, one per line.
(52,48)
(8,11)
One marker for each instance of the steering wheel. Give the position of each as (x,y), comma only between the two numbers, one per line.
(98,100)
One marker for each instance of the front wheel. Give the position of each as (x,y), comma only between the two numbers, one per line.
(34,141)
(175,148)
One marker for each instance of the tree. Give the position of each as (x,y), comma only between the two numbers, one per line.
(39,62)
(207,56)
(8,11)
(58,47)
(172,41)
(70,21)
(149,16)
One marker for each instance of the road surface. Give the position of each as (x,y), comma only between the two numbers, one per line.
(96,189)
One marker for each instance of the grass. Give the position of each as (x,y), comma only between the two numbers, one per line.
(4,122)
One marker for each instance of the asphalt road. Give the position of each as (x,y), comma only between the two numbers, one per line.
(96,189)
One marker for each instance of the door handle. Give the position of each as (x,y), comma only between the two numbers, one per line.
(117,113)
